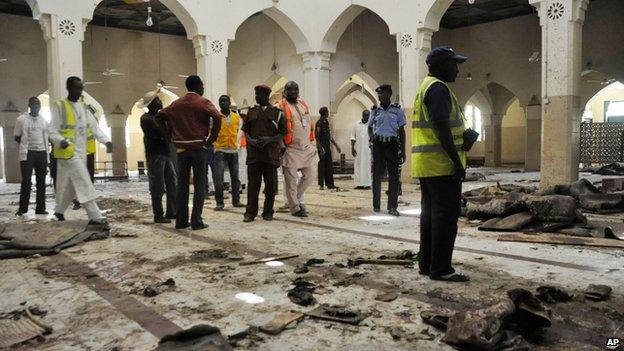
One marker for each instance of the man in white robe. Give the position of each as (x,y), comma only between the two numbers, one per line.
(361,151)
(73,179)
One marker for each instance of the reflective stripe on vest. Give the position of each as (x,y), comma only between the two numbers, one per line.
(428,157)
(228,134)
(285,106)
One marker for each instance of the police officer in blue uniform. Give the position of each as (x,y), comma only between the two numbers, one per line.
(386,131)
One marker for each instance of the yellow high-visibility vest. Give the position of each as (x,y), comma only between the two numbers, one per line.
(228,134)
(428,157)
(68,131)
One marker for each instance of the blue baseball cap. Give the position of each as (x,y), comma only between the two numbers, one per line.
(443,53)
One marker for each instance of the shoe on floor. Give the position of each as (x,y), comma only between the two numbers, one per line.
(267,217)
(238,205)
(219,207)
(102,223)
(248,218)
(199,226)
(162,220)
(451,278)
(182,226)
(376,210)
(321,188)
(59,217)
(19,213)
(42,212)
(301,214)
(76,206)
(394,212)
(170,217)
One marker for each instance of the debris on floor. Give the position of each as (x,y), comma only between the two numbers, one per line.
(281,321)
(403,255)
(616,168)
(301,294)
(247,339)
(123,209)
(301,269)
(551,294)
(268,259)
(383,262)
(598,292)
(386,296)
(501,326)
(20,328)
(154,289)
(336,314)
(46,238)
(561,240)
(314,261)
(198,338)
(400,333)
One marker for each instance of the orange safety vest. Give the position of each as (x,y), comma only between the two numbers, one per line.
(284,106)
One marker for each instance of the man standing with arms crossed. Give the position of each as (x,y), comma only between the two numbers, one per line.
(301,153)
(439,161)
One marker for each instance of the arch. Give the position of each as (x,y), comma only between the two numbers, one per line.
(338,27)
(591,86)
(359,81)
(487,84)
(596,107)
(435,11)
(482,101)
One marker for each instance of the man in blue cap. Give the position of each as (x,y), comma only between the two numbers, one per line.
(439,161)
(386,129)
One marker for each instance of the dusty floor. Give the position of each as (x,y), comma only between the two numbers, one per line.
(93,292)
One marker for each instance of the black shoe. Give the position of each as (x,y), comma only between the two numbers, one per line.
(394,212)
(182,226)
(19,213)
(42,212)
(210,193)
(171,217)
(199,226)
(451,278)
(161,220)
(376,210)
(76,206)
(101,223)
(267,217)
(219,207)
(248,218)
(301,214)
(321,187)
(238,205)
(59,217)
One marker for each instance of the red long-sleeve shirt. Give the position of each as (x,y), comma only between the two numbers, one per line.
(191,121)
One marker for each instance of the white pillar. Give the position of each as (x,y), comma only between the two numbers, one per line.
(117,121)
(562,24)
(63,36)
(413,48)
(315,89)
(8,117)
(211,56)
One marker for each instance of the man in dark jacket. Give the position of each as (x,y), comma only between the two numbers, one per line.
(188,122)
(160,161)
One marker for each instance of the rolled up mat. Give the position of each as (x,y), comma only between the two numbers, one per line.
(508,224)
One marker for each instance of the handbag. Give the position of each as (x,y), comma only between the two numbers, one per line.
(470,137)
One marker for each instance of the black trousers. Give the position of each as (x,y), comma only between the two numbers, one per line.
(191,160)
(326,169)
(37,161)
(441,207)
(386,157)
(229,160)
(255,174)
(163,179)
(210,165)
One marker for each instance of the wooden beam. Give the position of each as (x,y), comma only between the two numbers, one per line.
(561,240)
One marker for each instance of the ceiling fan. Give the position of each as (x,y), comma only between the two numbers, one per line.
(92,83)
(602,82)
(162,85)
(183,76)
(112,72)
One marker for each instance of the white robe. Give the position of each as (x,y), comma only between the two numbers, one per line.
(72,179)
(362,164)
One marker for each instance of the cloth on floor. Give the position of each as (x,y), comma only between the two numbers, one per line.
(198,338)
(554,208)
(600,202)
(511,223)
(503,206)
(551,294)
(575,189)
(301,294)
(500,326)
(597,292)
(337,314)
(23,327)
(616,168)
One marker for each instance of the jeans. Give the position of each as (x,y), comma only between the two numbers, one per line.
(386,157)
(187,160)
(255,173)
(441,207)
(326,169)
(223,159)
(163,179)
(37,160)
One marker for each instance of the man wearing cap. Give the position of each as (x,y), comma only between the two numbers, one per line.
(193,124)
(439,161)
(160,163)
(386,129)
(264,127)
(301,154)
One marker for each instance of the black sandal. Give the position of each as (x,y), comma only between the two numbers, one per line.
(452,278)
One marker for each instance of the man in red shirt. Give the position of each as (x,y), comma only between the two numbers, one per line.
(193,124)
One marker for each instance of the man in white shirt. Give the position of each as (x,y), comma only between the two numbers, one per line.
(361,151)
(32,136)
(73,131)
